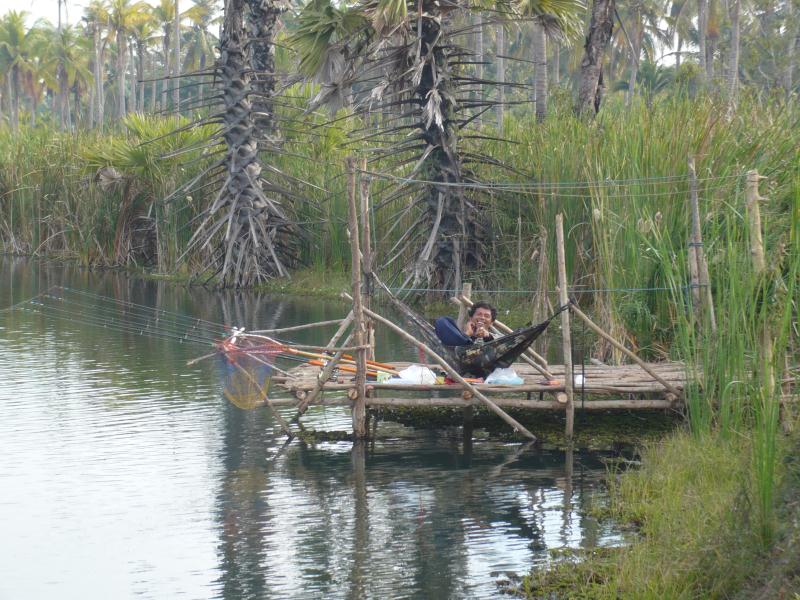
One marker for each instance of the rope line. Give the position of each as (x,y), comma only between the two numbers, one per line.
(549,186)
(571,290)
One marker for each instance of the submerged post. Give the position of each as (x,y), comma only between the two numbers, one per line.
(359,327)
(566,337)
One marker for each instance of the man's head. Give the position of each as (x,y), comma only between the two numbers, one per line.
(483,312)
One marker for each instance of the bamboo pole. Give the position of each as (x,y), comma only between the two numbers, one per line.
(502,402)
(566,337)
(463,314)
(454,374)
(299,327)
(752,199)
(694,272)
(463,309)
(698,254)
(319,384)
(359,406)
(366,255)
(326,371)
(340,332)
(670,388)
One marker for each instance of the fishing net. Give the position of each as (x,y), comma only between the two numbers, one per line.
(247,371)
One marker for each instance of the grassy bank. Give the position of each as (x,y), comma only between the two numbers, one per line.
(691,501)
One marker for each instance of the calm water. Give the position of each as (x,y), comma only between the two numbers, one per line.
(123,473)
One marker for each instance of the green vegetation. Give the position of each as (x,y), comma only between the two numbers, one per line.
(132,192)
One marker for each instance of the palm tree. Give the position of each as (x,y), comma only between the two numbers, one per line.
(123,18)
(548,26)
(176,61)
(200,42)
(645,28)
(143,33)
(601,28)
(15,53)
(164,14)
(65,51)
(96,18)
(402,51)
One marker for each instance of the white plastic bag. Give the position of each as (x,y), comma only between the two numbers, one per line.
(504,377)
(415,375)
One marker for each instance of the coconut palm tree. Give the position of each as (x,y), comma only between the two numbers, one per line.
(402,51)
(123,18)
(16,51)
(200,42)
(547,26)
(164,13)
(65,51)
(96,19)
(143,33)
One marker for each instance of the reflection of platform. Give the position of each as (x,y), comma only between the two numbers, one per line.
(625,387)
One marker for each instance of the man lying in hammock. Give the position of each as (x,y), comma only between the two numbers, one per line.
(475,351)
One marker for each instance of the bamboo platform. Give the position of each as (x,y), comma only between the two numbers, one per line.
(605,388)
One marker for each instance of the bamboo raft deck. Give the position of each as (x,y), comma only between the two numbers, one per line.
(625,387)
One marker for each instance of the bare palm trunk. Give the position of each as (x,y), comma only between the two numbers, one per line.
(678,51)
(635,54)
(702,28)
(540,70)
(733,63)
(501,74)
(134,101)
(176,68)
(793,47)
(590,92)
(261,17)
(153,84)
(555,65)
(480,55)
(140,73)
(122,59)
(98,79)
(166,81)
(13,94)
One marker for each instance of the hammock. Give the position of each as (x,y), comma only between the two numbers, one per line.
(465,356)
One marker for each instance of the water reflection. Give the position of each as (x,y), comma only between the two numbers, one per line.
(123,468)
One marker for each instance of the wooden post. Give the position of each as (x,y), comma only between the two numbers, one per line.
(359,404)
(519,250)
(463,310)
(563,298)
(694,273)
(698,265)
(366,255)
(759,267)
(540,296)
